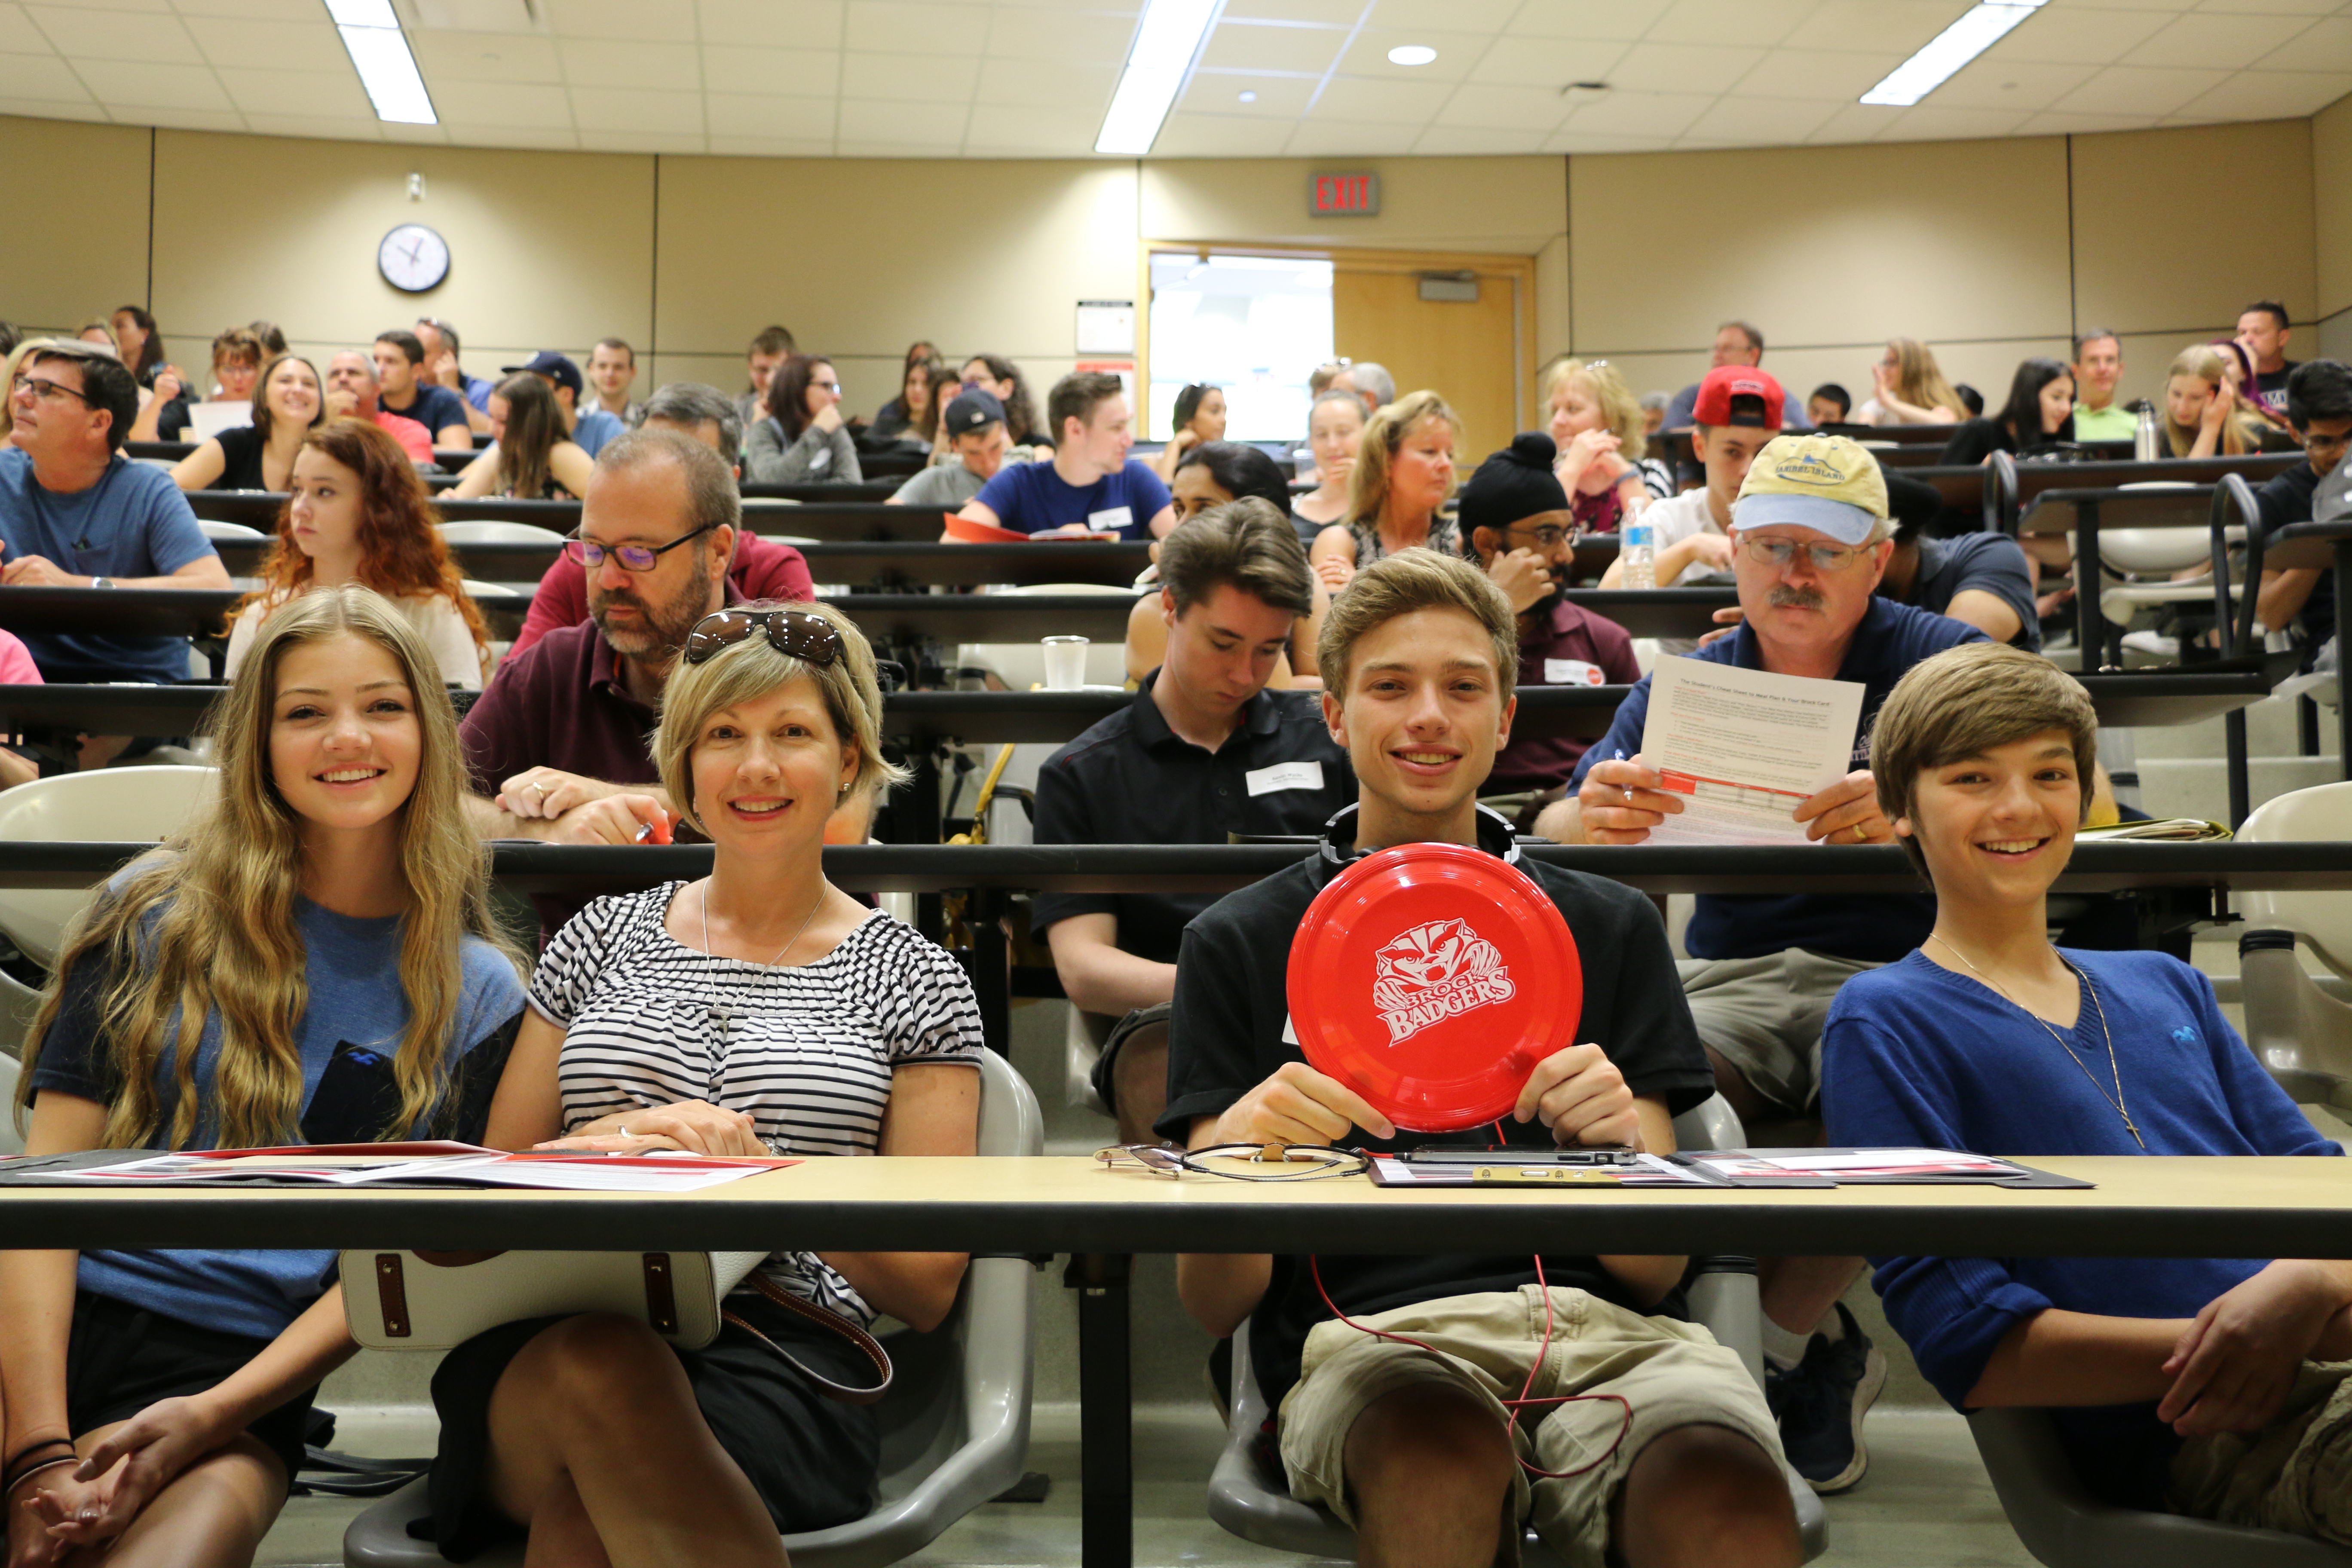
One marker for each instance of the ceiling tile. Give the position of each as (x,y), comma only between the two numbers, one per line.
(2174,5)
(2210,40)
(1352,98)
(138,85)
(1242,46)
(1458,16)
(2268,95)
(1334,13)
(1219,136)
(2139,89)
(17,34)
(904,124)
(183,118)
(1814,74)
(254,10)
(1476,141)
(763,147)
(1368,56)
(1761,121)
(486,57)
(653,21)
(1854,122)
(270,46)
(1681,68)
(79,33)
(1049,82)
(2066,123)
(429,135)
(1896,26)
(338,127)
(790,24)
(1574,142)
(902,26)
(1753,23)
(1337,138)
(2325,45)
(1219,94)
(609,109)
(772,118)
(2078,37)
(798,72)
(1549,62)
(908,79)
(517,136)
(681,143)
(1624,19)
(925,151)
(1929,123)
(147,5)
(2023,85)
(608,62)
(1534,110)
(1028,32)
(1038,127)
(335,94)
(2273,7)
(44,78)
(534,104)
(1661,114)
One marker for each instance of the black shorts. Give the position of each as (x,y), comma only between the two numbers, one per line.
(122,1359)
(812,1460)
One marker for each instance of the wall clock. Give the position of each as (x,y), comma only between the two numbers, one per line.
(413,258)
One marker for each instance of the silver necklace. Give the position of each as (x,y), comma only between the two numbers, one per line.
(2115,1100)
(722,1010)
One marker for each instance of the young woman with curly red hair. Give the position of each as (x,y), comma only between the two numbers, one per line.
(358,513)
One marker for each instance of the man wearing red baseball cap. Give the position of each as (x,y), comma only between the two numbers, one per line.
(1738,409)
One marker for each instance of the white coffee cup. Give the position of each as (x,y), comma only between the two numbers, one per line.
(1066,663)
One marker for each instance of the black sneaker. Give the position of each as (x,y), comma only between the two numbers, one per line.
(1819,1404)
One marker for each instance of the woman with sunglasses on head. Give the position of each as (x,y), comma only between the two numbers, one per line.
(802,441)
(529,457)
(286,404)
(358,513)
(814,1025)
(1200,419)
(311,960)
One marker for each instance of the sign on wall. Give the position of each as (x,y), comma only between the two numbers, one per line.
(1343,195)
(1106,326)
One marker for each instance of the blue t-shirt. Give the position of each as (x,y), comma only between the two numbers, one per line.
(1988,563)
(478,390)
(595,428)
(1917,1056)
(1030,497)
(357,1013)
(133,522)
(1871,928)
(437,409)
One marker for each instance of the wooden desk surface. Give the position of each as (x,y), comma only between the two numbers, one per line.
(2058,511)
(2140,1208)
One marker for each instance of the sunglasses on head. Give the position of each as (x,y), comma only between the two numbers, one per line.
(810,638)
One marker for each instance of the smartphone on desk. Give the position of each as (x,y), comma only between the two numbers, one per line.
(1511,1154)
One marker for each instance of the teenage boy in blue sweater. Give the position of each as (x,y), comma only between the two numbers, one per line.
(2195,1386)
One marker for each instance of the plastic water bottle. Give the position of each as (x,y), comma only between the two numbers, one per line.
(2144,447)
(1637,553)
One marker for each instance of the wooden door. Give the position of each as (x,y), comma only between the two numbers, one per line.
(1469,353)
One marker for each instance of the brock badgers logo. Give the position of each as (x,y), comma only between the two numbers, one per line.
(1431,972)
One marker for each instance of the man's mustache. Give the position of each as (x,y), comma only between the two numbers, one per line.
(1785,598)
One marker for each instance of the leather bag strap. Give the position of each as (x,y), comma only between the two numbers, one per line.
(832,1322)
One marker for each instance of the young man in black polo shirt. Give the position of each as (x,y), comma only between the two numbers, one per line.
(2319,406)
(1203,752)
(1415,1449)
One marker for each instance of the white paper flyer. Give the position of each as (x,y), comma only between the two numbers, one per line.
(1744,748)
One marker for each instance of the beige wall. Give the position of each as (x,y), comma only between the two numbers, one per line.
(2331,187)
(93,258)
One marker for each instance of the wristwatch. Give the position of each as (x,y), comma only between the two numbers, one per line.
(102,582)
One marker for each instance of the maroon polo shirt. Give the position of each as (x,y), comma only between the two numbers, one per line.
(1567,646)
(762,569)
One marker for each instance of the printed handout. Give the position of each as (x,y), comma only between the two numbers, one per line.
(1744,748)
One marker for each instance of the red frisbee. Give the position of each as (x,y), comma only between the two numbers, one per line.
(1431,979)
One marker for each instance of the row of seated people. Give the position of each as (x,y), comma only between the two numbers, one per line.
(326,917)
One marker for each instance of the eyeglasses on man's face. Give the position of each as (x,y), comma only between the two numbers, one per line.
(632,557)
(40,388)
(1781,553)
(1550,536)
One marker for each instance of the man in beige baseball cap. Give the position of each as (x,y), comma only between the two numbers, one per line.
(1810,539)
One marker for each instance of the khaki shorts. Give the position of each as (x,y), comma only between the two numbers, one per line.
(2294,1475)
(1672,1374)
(1765,1015)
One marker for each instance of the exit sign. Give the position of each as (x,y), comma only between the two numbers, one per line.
(1344,196)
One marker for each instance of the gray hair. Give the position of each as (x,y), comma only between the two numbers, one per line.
(712,498)
(690,403)
(1656,401)
(1373,380)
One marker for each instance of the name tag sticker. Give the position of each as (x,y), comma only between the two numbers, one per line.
(1289,1031)
(1111,517)
(1571,672)
(1285,775)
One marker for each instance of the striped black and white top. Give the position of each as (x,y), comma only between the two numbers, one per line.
(808,1054)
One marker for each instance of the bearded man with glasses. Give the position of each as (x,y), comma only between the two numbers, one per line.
(1810,538)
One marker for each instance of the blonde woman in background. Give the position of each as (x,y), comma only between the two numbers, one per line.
(1404,473)
(1911,389)
(1598,427)
(1335,424)
(2197,406)
(16,358)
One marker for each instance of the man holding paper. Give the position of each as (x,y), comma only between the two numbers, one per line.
(1762,737)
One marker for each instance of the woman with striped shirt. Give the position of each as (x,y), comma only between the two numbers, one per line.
(758,1010)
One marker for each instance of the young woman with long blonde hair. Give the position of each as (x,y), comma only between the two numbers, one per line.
(1404,473)
(2198,404)
(1911,389)
(311,961)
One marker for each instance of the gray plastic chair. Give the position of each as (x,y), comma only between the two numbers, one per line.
(1249,1496)
(955,1425)
(2065,1527)
(2302,1036)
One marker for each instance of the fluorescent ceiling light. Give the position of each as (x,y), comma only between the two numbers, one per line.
(1164,47)
(1412,54)
(378,52)
(1977,30)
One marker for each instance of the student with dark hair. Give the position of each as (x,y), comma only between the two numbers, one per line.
(1981,579)
(613,371)
(1002,380)
(908,417)
(2319,406)
(287,402)
(766,351)
(237,357)
(974,428)
(587,426)
(529,457)
(2040,410)
(1212,476)
(2263,328)
(1200,417)
(268,334)
(442,347)
(1091,485)
(1829,404)
(1204,750)
(802,440)
(403,390)
(139,340)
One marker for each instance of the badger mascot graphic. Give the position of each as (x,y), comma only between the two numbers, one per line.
(1431,972)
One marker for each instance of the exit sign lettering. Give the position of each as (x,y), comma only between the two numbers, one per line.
(1344,196)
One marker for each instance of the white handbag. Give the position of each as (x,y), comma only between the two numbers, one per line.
(436,1300)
